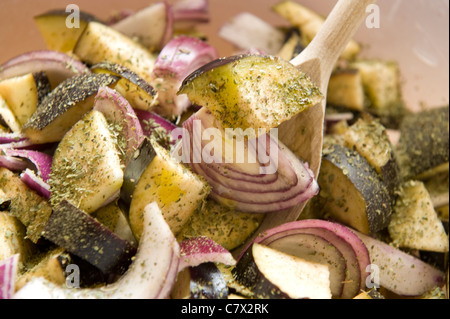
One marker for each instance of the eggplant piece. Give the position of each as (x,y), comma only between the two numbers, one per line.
(7,117)
(251,92)
(346,90)
(414,223)
(269,273)
(99,42)
(204,281)
(65,106)
(151,275)
(225,226)
(352,192)
(371,294)
(142,158)
(58,36)
(292,45)
(83,236)
(138,92)
(86,167)
(423,147)
(31,209)
(24,93)
(151,26)
(309,23)
(369,138)
(176,190)
(381,81)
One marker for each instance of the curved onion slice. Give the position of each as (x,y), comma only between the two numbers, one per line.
(119,113)
(399,272)
(35,182)
(42,161)
(57,65)
(269,178)
(199,250)
(13,163)
(325,242)
(179,58)
(7,138)
(8,272)
(151,275)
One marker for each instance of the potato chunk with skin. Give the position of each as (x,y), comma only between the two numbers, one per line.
(176,190)
(86,168)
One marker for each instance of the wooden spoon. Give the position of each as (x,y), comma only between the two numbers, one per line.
(303,134)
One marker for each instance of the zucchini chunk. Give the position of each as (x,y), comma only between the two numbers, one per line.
(346,90)
(309,24)
(254,91)
(99,42)
(423,147)
(55,31)
(414,222)
(272,274)
(352,192)
(26,205)
(24,93)
(64,106)
(177,191)
(227,227)
(86,168)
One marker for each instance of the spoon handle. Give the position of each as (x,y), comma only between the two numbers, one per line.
(329,43)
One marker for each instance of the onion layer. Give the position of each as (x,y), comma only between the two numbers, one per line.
(262,177)
(8,272)
(199,250)
(180,57)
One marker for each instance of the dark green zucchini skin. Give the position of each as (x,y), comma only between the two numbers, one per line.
(376,194)
(424,142)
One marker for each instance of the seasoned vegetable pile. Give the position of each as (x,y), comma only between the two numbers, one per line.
(138,162)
